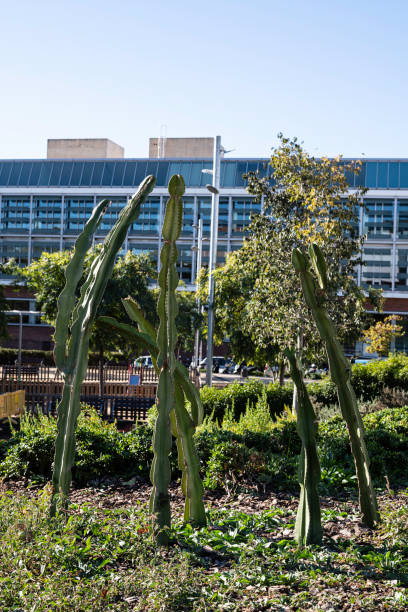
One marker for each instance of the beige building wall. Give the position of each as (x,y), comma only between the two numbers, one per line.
(83,148)
(181,147)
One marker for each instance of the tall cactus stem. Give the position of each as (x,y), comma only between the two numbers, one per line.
(340,371)
(74,326)
(167,310)
(308,527)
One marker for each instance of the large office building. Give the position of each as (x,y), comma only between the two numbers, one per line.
(44,204)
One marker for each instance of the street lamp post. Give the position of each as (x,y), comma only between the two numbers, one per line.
(214,189)
(199,249)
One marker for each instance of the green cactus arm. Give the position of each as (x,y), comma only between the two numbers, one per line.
(102,266)
(193,490)
(160,472)
(78,345)
(191,393)
(136,314)
(340,371)
(128,330)
(180,372)
(319,265)
(73,274)
(308,527)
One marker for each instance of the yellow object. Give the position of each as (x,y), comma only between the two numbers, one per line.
(11,404)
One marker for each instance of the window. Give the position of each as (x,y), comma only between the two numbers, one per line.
(148,220)
(401,283)
(242,209)
(15,214)
(377,267)
(378,219)
(46,215)
(76,212)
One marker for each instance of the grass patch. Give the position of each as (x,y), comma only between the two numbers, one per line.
(100,559)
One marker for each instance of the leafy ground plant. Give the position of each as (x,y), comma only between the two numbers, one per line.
(105,559)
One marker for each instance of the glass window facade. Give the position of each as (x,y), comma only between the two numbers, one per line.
(15,215)
(46,215)
(379,219)
(40,247)
(242,209)
(402,219)
(61,217)
(14,249)
(76,213)
(111,215)
(121,173)
(401,283)
(377,267)
(148,220)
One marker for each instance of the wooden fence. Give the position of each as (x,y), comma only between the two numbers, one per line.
(115,400)
(11,404)
(49,374)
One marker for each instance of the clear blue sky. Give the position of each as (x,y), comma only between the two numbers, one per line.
(332,73)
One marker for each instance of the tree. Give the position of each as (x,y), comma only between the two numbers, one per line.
(131,275)
(189,319)
(380,335)
(45,278)
(305,200)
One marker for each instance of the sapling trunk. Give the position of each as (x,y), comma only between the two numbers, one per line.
(340,370)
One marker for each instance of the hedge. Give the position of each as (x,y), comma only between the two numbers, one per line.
(368,381)
(237,396)
(8,356)
(263,457)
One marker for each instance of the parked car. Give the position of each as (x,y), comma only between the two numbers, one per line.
(243,367)
(219,364)
(143,362)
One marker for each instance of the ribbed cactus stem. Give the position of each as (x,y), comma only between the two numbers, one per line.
(183,422)
(74,326)
(308,527)
(340,371)
(167,309)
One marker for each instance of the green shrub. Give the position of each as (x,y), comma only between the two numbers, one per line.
(237,396)
(323,392)
(262,454)
(8,356)
(101,450)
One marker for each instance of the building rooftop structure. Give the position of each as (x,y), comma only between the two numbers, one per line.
(44,204)
(375,173)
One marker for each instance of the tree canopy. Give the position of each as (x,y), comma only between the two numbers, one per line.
(45,278)
(131,275)
(258,295)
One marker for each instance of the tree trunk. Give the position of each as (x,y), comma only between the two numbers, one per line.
(101,374)
(282,373)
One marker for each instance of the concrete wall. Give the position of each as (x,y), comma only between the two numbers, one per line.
(83,148)
(182,147)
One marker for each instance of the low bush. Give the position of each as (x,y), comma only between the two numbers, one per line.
(8,356)
(235,452)
(101,450)
(237,396)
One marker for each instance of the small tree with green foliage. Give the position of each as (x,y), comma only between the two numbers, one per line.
(305,200)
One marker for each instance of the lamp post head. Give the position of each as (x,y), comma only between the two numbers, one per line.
(212,189)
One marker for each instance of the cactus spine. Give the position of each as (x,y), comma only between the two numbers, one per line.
(340,372)
(74,326)
(308,527)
